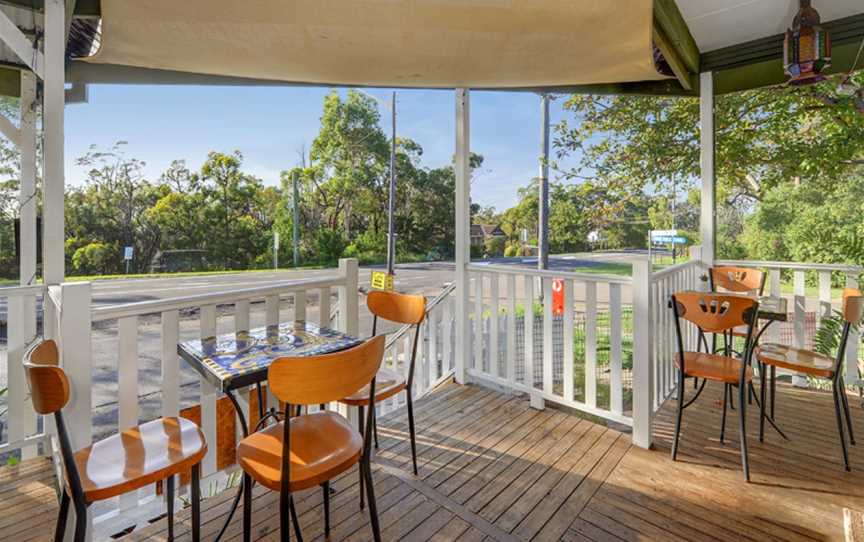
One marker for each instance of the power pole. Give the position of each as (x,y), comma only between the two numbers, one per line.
(391,208)
(296,218)
(543,226)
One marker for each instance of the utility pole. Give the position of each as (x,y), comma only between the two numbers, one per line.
(543,226)
(391,209)
(295,222)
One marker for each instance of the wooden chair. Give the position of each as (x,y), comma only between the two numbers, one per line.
(737,280)
(820,366)
(121,463)
(403,309)
(304,451)
(714,313)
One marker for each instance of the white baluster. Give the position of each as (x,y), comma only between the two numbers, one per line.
(271,309)
(616,386)
(591,344)
(208,396)
(300,306)
(494,279)
(511,329)
(170,364)
(548,343)
(127,387)
(478,322)
(568,340)
(324,307)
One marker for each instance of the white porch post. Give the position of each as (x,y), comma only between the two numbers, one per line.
(27,193)
(643,375)
(707,222)
(53,262)
(463,231)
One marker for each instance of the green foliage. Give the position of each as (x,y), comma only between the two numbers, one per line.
(494,247)
(512,250)
(329,245)
(368,247)
(827,337)
(93,258)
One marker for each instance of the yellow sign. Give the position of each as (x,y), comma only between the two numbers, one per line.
(382,280)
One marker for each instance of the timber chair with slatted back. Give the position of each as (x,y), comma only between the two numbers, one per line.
(714,313)
(309,450)
(820,366)
(402,309)
(737,280)
(124,462)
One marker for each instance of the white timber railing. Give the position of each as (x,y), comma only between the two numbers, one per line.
(75,319)
(576,339)
(664,283)
(23,430)
(435,354)
(808,306)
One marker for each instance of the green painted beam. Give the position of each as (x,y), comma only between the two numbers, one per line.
(669,20)
(10,82)
(673,59)
(770,72)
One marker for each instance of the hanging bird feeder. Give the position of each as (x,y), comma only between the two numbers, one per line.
(807,48)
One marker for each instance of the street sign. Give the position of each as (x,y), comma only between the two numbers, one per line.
(669,239)
(127,253)
(276,240)
(662,233)
(381,280)
(557,297)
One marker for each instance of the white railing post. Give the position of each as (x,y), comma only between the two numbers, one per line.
(73,332)
(463,232)
(854,341)
(21,324)
(707,222)
(349,299)
(643,402)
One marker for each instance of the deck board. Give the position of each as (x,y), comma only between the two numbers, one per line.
(491,468)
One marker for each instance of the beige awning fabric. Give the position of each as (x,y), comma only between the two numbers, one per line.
(401,43)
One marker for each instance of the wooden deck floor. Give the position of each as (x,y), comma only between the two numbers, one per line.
(493,469)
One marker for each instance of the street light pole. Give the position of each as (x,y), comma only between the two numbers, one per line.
(543,226)
(391,209)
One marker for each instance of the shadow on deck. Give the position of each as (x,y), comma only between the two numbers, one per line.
(493,469)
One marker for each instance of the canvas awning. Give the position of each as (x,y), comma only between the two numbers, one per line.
(411,43)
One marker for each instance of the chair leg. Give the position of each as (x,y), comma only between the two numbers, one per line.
(678,414)
(169,503)
(762,395)
(80,522)
(360,416)
(60,529)
(411,431)
(742,423)
(373,508)
(284,517)
(325,487)
(846,411)
(196,502)
(838,411)
(726,392)
(375,430)
(247,508)
(297,532)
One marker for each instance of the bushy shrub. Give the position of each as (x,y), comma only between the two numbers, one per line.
(92,258)
(329,246)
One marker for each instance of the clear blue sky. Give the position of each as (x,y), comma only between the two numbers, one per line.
(269,124)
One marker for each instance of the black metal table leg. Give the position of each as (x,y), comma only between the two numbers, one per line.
(244,427)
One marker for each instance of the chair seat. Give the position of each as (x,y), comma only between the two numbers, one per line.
(323,445)
(139,456)
(796,359)
(387,384)
(713,367)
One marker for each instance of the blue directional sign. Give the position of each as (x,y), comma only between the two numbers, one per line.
(670,240)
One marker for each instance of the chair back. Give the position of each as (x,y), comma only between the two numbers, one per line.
(853,306)
(715,313)
(396,307)
(49,386)
(741,280)
(400,308)
(311,380)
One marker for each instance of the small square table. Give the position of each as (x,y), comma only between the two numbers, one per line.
(237,360)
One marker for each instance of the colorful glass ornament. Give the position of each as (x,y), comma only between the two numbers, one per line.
(807,47)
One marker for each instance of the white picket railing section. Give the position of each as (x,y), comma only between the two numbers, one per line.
(23,431)
(664,283)
(520,344)
(435,354)
(804,304)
